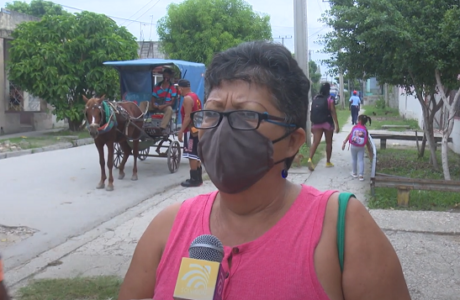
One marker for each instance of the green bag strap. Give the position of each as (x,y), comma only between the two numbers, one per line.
(343,202)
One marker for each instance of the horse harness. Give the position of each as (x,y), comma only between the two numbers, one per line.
(109,121)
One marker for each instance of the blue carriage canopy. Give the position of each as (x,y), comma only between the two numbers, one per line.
(136,76)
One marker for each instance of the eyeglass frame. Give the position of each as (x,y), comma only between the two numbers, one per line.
(262,117)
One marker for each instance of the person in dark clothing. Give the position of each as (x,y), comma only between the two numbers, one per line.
(355,105)
(189,134)
(324,121)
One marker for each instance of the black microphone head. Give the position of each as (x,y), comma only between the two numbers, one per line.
(207,247)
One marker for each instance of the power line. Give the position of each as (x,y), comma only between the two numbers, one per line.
(140,9)
(118,18)
(146,11)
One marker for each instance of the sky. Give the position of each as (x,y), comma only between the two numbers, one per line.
(141,16)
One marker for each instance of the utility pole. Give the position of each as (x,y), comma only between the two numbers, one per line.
(301,51)
(342,97)
(282,38)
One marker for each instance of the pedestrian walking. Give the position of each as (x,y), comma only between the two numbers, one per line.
(358,138)
(355,106)
(324,121)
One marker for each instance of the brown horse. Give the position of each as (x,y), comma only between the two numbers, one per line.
(111,123)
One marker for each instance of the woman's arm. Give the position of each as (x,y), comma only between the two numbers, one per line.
(371,268)
(334,117)
(3,292)
(139,282)
(346,141)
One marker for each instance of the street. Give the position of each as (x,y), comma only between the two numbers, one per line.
(52,197)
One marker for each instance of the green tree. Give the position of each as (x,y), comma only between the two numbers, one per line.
(60,58)
(195,30)
(315,77)
(36,8)
(401,42)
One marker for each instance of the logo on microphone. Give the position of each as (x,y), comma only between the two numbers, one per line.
(198,280)
(198,276)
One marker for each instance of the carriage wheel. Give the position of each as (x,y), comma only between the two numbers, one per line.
(174,155)
(143,153)
(117,155)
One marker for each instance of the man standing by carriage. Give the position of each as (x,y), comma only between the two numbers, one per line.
(189,134)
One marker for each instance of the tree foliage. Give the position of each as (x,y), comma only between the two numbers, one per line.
(401,42)
(315,77)
(36,8)
(60,58)
(195,30)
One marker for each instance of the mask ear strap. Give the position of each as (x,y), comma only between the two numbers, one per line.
(284,172)
(285,135)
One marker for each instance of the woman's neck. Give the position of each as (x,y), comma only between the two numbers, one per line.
(237,219)
(262,198)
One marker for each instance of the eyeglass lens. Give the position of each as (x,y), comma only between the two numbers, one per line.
(237,119)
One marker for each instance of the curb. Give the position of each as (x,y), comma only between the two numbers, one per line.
(18,275)
(59,146)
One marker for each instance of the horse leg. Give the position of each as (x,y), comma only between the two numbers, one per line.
(100,149)
(135,154)
(126,153)
(110,165)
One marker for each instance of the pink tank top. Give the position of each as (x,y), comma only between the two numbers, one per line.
(277,265)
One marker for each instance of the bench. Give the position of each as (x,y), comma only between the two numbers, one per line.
(383,137)
(404,185)
(395,126)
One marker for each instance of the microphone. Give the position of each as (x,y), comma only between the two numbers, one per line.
(201,276)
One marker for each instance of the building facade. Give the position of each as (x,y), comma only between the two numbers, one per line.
(19,111)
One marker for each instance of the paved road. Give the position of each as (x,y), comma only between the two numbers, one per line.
(55,193)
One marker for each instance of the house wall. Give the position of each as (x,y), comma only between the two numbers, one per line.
(33,114)
(409,106)
(456,136)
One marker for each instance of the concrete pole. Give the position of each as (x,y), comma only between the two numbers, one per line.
(301,50)
(342,96)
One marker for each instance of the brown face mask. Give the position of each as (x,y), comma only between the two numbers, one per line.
(236,159)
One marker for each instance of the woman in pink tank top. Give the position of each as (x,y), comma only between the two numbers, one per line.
(280,239)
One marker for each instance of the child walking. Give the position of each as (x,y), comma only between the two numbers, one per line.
(358,138)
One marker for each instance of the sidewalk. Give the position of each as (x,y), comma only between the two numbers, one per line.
(427,243)
(65,144)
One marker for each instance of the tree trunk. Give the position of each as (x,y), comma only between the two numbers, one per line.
(423,146)
(428,119)
(450,110)
(447,130)
(429,132)
(74,125)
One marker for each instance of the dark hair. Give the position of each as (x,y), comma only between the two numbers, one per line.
(184,83)
(325,89)
(266,64)
(363,119)
(168,71)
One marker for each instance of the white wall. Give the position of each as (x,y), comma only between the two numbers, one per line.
(456,136)
(409,107)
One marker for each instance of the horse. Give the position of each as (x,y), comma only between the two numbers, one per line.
(114,122)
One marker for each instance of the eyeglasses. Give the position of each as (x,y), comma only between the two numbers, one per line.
(238,119)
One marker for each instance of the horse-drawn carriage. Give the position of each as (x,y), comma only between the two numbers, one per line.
(137,80)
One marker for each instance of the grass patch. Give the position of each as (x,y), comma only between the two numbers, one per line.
(82,288)
(81,134)
(319,154)
(405,162)
(47,139)
(342,116)
(387,116)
